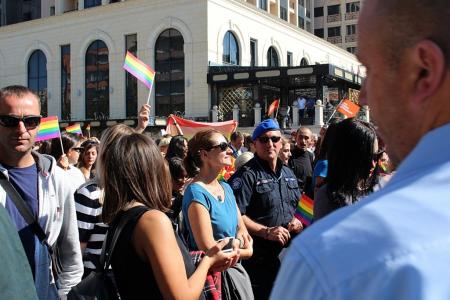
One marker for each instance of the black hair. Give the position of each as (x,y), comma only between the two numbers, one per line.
(327,141)
(350,160)
(235,135)
(68,141)
(176,147)
(176,168)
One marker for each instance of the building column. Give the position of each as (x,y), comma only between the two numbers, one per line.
(80,4)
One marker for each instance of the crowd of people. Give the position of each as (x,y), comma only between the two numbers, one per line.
(379,225)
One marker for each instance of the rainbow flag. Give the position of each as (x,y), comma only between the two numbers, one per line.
(75,128)
(139,70)
(304,211)
(273,107)
(48,129)
(227,171)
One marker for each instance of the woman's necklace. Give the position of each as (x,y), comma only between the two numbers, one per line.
(216,191)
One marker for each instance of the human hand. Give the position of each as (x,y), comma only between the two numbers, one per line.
(295,225)
(247,240)
(143,118)
(63,162)
(221,260)
(279,234)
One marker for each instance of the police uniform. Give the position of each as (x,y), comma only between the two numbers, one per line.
(268,198)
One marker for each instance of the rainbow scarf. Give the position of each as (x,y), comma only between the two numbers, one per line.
(75,128)
(227,171)
(304,210)
(139,70)
(48,129)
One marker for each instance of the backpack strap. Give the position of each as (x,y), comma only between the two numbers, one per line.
(24,210)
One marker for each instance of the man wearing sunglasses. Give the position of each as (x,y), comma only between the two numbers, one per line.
(267,193)
(45,189)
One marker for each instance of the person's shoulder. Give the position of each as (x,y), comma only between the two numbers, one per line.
(89,189)
(287,171)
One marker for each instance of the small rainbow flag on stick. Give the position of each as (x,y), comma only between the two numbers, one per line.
(304,210)
(140,70)
(75,128)
(48,129)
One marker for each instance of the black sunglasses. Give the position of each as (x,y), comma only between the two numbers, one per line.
(265,139)
(78,149)
(13,121)
(222,146)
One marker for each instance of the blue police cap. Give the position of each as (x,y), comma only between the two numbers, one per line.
(266,125)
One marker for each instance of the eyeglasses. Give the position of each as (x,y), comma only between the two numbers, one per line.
(13,121)
(265,139)
(222,146)
(78,149)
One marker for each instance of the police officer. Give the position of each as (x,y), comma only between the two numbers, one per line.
(267,193)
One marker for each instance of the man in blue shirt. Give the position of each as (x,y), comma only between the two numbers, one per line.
(395,243)
(46,191)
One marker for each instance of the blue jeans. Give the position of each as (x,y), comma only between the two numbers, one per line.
(45,287)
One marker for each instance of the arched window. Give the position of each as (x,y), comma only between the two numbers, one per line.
(169,67)
(272,57)
(97,81)
(304,62)
(37,77)
(230,49)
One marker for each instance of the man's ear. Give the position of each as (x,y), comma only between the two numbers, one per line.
(429,66)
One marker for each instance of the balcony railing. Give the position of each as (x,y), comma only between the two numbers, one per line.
(352,15)
(350,38)
(334,18)
(335,39)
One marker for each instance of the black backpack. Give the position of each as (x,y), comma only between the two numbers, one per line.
(99,284)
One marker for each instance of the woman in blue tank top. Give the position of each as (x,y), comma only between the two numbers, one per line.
(209,206)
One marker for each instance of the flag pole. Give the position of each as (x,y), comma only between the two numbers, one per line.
(278,107)
(149,94)
(329,119)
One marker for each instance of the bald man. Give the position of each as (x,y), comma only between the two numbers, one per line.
(395,243)
(46,191)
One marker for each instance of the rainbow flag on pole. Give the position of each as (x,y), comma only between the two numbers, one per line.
(304,211)
(139,70)
(75,128)
(48,129)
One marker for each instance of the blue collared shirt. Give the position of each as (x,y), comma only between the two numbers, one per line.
(395,244)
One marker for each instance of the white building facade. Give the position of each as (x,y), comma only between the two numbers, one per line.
(75,57)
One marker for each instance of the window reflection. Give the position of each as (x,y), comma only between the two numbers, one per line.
(230,49)
(37,77)
(272,58)
(169,67)
(65,82)
(97,81)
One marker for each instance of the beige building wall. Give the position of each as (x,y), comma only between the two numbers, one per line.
(202,23)
(347,40)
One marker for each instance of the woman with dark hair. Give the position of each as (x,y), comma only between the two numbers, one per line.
(149,260)
(321,164)
(67,160)
(88,158)
(178,147)
(350,167)
(179,177)
(209,207)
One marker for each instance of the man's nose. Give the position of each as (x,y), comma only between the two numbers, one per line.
(21,127)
